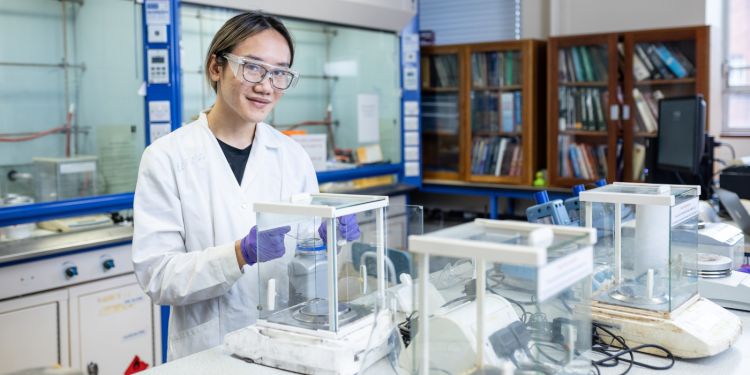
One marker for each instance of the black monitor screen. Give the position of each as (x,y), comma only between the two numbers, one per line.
(681,130)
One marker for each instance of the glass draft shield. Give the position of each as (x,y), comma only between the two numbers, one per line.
(647,251)
(502,294)
(321,271)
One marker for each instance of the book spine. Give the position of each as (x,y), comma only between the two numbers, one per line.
(674,66)
(507,111)
(641,54)
(517,111)
(656,60)
(587,69)
(578,65)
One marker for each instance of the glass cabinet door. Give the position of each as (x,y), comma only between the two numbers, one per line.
(583,90)
(440,111)
(339,80)
(496,114)
(658,65)
(72,119)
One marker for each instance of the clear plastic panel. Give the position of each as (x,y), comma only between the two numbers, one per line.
(535,319)
(658,246)
(304,281)
(309,265)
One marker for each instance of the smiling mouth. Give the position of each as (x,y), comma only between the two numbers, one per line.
(258,101)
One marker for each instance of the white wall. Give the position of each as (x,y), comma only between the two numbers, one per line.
(571,17)
(535,20)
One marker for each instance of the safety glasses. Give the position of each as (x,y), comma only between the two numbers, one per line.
(255,71)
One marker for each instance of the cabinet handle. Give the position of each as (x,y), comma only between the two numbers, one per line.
(92,368)
(614,112)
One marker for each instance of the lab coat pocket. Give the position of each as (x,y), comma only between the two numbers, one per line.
(195,339)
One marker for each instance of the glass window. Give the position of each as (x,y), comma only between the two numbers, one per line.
(737,72)
(72,119)
(342,71)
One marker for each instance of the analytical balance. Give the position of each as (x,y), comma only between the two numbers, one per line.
(721,251)
(518,300)
(651,254)
(295,330)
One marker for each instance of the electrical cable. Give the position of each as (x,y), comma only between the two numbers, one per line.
(734,154)
(614,353)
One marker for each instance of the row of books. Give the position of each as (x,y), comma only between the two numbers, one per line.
(583,64)
(496,68)
(660,61)
(582,108)
(647,110)
(443,71)
(581,160)
(493,112)
(496,156)
(440,113)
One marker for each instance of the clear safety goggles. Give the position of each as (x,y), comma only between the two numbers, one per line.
(255,71)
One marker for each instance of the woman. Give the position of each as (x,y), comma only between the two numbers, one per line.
(194,224)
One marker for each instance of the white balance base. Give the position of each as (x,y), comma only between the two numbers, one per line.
(731,292)
(313,352)
(699,328)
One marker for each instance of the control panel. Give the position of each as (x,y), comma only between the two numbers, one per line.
(158,65)
(66,270)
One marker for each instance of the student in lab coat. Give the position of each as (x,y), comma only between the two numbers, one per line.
(194,224)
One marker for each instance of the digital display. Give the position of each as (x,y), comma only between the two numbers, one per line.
(157,59)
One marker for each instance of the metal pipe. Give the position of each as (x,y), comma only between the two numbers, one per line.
(43,65)
(66,86)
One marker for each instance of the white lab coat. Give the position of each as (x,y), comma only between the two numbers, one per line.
(189,211)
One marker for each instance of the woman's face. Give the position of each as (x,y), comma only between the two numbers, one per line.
(252,102)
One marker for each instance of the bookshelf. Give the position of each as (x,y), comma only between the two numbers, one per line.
(658,64)
(582,109)
(603,99)
(440,110)
(493,111)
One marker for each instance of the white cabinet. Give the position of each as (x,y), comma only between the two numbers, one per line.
(34,331)
(112,321)
(107,322)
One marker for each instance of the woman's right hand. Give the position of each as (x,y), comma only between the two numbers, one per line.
(271,242)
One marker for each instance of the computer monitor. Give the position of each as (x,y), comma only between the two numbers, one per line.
(682,123)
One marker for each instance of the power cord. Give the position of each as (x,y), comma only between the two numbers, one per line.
(614,353)
(729,146)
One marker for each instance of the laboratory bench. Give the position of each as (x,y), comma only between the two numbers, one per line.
(734,361)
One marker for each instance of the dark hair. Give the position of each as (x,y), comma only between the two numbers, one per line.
(239,28)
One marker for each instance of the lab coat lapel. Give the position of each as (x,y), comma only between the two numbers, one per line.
(263,171)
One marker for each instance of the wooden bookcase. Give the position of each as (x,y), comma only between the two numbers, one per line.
(484,127)
(688,51)
(638,76)
(582,110)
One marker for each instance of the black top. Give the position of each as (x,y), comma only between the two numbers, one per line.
(237,159)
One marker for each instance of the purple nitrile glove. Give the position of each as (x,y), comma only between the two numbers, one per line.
(272,241)
(348,228)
